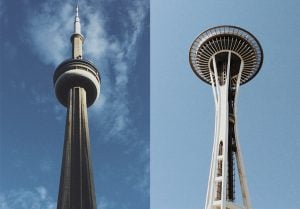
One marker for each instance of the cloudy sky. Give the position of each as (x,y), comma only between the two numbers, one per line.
(35,39)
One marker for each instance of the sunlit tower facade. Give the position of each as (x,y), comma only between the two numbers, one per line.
(226,57)
(77,86)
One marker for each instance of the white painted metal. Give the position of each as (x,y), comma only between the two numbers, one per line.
(77,27)
(215,198)
(239,158)
(220,38)
(204,52)
(77,38)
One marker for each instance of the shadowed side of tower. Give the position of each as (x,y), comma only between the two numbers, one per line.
(77,86)
(76,183)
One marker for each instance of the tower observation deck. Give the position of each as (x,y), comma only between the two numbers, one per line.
(77,86)
(226,57)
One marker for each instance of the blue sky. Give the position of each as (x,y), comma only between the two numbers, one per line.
(35,39)
(182,106)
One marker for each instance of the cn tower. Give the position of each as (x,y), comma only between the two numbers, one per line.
(226,57)
(77,86)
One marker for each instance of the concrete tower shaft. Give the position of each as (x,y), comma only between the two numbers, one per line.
(77,43)
(76,189)
(226,57)
(77,86)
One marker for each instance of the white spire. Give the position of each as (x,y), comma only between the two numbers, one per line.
(77,27)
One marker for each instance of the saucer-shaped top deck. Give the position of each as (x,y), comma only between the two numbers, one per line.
(223,39)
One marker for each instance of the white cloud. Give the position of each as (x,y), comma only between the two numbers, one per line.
(1,9)
(37,198)
(137,15)
(42,192)
(113,106)
(103,203)
(3,203)
(96,44)
(49,30)
(122,52)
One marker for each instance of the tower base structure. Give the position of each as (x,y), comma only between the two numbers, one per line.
(76,190)
(226,148)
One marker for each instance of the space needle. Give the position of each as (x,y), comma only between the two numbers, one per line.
(226,57)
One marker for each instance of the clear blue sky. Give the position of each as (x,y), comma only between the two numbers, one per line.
(182,107)
(35,38)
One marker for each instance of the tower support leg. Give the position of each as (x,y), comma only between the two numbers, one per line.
(226,149)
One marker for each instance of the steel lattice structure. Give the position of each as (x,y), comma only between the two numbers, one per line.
(226,57)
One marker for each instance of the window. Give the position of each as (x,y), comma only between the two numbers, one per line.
(219,169)
(221,148)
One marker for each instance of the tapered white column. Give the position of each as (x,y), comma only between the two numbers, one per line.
(218,196)
(226,57)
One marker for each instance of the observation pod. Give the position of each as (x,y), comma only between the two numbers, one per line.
(76,73)
(226,57)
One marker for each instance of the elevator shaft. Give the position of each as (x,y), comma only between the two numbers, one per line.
(76,190)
